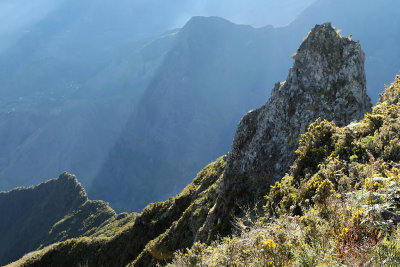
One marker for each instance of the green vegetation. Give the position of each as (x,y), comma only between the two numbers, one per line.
(136,239)
(326,212)
(93,219)
(51,212)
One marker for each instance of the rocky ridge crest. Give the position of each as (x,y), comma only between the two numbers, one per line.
(327,81)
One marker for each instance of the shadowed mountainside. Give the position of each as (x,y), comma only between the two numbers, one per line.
(214,73)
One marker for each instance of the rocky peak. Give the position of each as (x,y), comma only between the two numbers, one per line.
(327,81)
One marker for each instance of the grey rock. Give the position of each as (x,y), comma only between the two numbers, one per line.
(389,216)
(327,81)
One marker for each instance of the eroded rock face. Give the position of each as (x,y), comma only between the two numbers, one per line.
(327,81)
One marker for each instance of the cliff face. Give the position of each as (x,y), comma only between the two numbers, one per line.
(327,81)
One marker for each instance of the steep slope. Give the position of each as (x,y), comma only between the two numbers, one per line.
(146,240)
(214,73)
(327,81)
(338,205)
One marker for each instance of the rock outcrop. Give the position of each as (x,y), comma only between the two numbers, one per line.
(326,81)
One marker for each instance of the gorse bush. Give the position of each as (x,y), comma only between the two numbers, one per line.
(327,210)
(314,146)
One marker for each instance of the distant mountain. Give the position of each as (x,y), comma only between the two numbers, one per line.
(127,19)
(70,80)
(43,126)
(214,72)
(71,71)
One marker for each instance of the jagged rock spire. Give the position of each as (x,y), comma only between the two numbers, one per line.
(327,81)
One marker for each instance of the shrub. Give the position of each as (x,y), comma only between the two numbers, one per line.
(314,146)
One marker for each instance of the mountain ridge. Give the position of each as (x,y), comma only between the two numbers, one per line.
(165,227)
(26,88)
(181,106)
